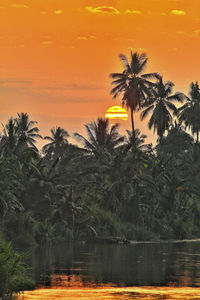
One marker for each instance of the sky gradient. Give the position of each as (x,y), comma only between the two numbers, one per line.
(56,55)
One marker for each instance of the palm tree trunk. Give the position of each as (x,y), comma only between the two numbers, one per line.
(133,126)
(160,142)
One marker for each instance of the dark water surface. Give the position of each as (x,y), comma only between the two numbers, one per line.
(136,271)
(152,264)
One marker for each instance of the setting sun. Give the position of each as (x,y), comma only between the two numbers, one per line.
(116,113)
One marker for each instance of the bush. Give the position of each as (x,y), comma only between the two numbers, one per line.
(13,277)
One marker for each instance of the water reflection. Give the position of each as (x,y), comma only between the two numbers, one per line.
(88,271)
(127,293)
(123,265)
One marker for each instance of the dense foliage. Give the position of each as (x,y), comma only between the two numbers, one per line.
(13,272)
(111,185)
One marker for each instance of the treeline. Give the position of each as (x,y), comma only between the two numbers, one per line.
(110,185)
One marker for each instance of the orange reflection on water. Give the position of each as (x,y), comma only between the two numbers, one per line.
(150,293)
(74,281)
(76,287)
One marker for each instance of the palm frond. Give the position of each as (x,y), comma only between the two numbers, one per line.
(145,112)
(125,62)
(180,97)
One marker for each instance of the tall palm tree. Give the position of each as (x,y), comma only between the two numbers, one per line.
(101,137)
(189,113)
(131,83)
(26,131)
(160,103)
(58,140)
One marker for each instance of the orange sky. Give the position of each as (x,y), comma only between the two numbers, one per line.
(56,55)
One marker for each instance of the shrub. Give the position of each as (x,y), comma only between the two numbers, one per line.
(13,271)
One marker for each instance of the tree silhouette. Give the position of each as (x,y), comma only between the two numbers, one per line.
(189,113)
(160,103)
(58,141)
(132,84)
(9,137)
(26,131)
(101,137)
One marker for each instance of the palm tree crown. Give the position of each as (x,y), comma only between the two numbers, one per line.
(100,137)
(57,141)
(161,106)
(131,83)
(9,137)
(26,130)
(189,113)
(139,140)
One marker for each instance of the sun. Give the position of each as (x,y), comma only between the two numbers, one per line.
(116,113)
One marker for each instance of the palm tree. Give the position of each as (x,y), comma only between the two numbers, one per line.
(26,132)
(161,106)
(58,141)
(9,137)
(138,143)
(131,83)
(101,137)
(189,113)
(176,141)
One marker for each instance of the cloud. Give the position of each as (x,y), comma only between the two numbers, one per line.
(196,33)
(58,12)
(14,85)
(19,5)
(85,38)
(181,32)
(82,38)
(178,12)
(46,37)
(103,10)
(15,82)
(47,43)
(60,86)
(136,12)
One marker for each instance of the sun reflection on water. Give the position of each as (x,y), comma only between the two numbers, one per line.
(76,287)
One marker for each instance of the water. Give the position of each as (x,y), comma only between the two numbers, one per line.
(137,271)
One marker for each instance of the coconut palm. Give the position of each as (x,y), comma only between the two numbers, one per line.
(160,103)
(177,140)
(101,137)
(58,141)
(138,143)
(9,137)
(132,84)
(26,131)
(189,113)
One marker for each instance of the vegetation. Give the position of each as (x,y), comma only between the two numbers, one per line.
(111,185)
(13,277)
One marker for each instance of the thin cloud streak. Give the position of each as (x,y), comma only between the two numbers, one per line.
(136,12)
(71,86)
(103,10)
(58,12)
(19,5)
(178,12)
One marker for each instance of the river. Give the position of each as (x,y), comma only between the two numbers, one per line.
(97,271)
